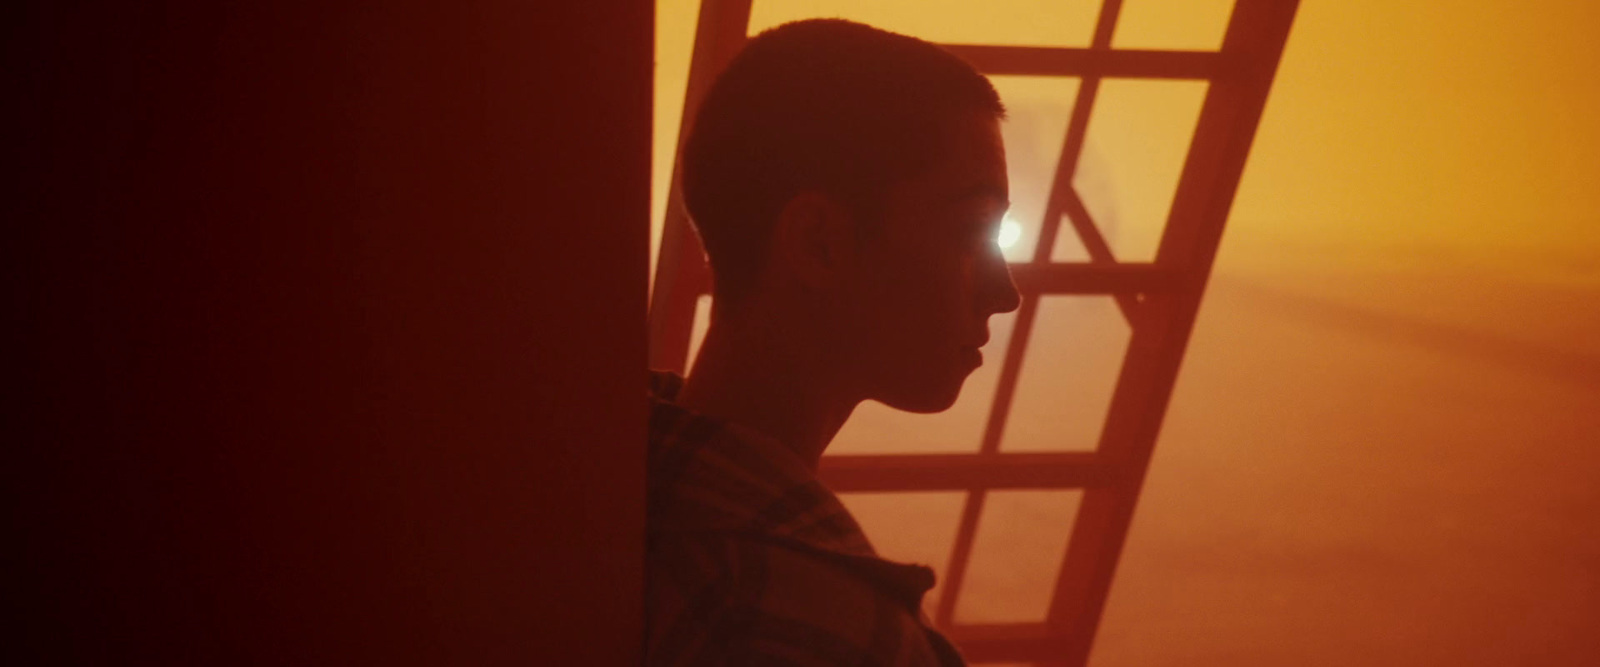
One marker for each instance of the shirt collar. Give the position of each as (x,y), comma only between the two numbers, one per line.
(712,475)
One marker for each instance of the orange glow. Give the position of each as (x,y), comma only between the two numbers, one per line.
(1382,449)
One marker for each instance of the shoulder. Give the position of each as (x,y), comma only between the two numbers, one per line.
(717,599)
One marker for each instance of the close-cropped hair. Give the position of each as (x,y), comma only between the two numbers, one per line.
(822,105)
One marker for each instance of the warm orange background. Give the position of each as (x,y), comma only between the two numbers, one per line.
(1384,448)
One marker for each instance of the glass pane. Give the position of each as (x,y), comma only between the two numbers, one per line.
(1025,22)
(875,428)
(1069,247)
(1068,375)
(1016,554)
(1185,25)
(910,528)
(1037,110)
(1133,153)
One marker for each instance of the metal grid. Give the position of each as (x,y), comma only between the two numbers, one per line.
(1159,299)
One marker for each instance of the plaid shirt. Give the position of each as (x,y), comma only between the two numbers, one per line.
(752,561)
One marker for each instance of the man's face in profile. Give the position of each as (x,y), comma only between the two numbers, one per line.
(932,278)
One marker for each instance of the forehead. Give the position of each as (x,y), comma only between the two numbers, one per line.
(970,169)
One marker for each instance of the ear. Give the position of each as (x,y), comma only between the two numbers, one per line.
(814,239)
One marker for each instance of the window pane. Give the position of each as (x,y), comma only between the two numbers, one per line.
(1068,375)
(1016,554)
(1133,153)
(1191,25)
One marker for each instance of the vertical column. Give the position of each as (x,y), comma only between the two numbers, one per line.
(333,332)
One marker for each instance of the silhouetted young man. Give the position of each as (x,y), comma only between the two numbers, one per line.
(848,186)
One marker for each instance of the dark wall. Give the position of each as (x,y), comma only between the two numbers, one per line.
(330,338)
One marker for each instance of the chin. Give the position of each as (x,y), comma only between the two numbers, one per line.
(926,398)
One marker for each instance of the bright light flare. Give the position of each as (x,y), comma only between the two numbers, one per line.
(1010,232)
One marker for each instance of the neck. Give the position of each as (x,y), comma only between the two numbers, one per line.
(767,378)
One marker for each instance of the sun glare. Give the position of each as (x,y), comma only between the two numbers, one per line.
(1010,231)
